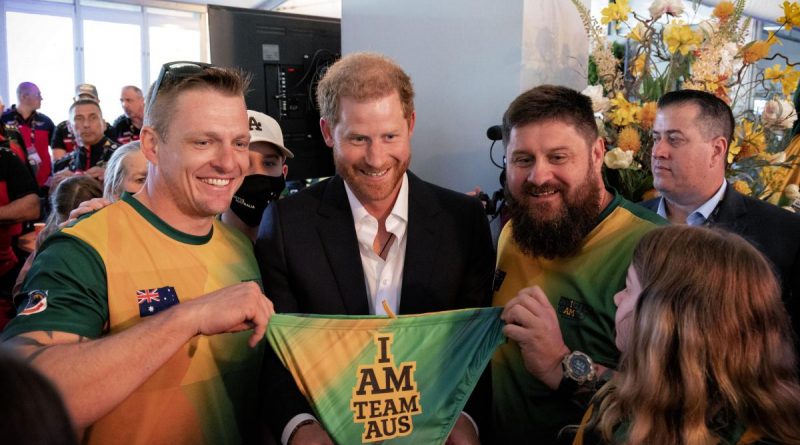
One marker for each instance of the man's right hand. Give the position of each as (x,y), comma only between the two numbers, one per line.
(59,177)
(84,208)
(231,309)
(310,434)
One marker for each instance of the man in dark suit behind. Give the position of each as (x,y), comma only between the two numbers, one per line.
(691,135)
(374,232)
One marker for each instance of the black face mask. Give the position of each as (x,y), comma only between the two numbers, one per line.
(255,193)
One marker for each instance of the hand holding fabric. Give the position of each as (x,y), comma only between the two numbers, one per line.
(531,321)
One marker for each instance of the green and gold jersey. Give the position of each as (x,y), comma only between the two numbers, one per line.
(581,289)
(373,379)
(109,270)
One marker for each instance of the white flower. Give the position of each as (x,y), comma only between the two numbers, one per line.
(789,208)
(728,63)
(618,158)
(792,191)
(778,114)
(600,104)
(601,125)
(778,158)
(661,7)
(708,27)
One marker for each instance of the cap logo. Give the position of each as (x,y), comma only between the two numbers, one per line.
(254,124)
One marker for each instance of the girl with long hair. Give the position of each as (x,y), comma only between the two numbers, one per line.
(707,350)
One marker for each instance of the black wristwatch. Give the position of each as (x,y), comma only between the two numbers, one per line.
(579,368)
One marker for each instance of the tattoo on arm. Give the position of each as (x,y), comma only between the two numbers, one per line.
(40,346)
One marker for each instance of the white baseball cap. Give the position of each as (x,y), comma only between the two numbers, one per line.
(263,128)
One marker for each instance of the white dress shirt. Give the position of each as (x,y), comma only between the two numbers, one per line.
(701,214)
(383,278)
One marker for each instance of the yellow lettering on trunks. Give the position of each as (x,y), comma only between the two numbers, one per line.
(385,396)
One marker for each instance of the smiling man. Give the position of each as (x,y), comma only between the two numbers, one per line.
(122,308)
(375,232)
(561,259)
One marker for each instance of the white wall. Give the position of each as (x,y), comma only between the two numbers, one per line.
(468,59)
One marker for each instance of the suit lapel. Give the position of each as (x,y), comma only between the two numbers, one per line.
(421,247)
(338,236)
(732,210)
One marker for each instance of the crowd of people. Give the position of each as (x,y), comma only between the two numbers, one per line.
(167,249)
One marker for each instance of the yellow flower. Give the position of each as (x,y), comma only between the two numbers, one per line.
(787,77)
(647,115)
(750,138)
(789,81)
(623,112)
(742,187)
(774,73)
(791,15)
(615,11)
(638,33)
(733,151)
(755,51)
(723,10)
(638,65)
(629,140)
(680,38)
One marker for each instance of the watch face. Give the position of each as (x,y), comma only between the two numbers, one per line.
(579,366)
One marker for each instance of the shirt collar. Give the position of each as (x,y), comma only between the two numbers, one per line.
(700,215)
(400,209)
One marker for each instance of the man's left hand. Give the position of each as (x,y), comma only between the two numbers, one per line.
(531,321)
(463,433)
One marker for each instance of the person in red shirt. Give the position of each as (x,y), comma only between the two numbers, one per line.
(18,203)
(36,130)
(126,128)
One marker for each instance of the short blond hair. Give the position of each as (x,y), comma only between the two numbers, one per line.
(363,76)
(227,81)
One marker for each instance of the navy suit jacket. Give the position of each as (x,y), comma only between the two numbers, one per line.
(308,253)
(772,230)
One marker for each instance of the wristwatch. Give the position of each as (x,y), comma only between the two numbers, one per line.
(578,367)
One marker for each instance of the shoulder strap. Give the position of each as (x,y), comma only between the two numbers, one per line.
(579,435)
(749,436)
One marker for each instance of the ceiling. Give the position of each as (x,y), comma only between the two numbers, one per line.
(325,8)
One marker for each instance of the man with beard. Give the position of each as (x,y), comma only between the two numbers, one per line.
(561,259)
(373,233)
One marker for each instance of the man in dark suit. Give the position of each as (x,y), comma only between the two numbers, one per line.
(691,135)
(373,233)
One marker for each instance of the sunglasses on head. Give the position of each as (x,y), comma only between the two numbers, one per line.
(175,70)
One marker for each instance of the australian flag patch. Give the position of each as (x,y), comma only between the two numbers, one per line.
(153,301)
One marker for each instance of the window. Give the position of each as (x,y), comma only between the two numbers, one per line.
(181,29)
(60,43)
(40,58)
(112,51)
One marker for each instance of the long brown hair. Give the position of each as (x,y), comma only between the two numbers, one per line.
(711,340)
(69,194)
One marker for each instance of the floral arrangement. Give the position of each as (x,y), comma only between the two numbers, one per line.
(665,53)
